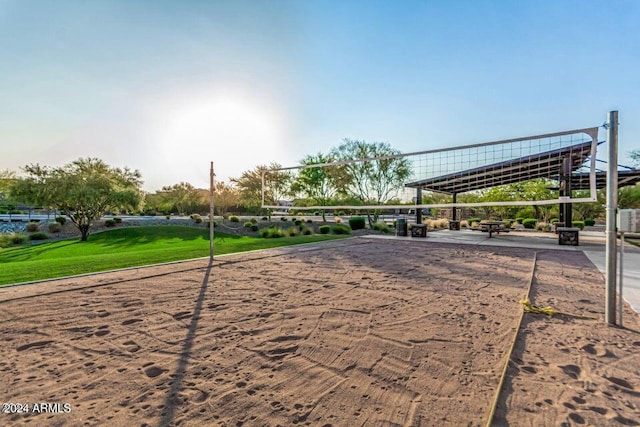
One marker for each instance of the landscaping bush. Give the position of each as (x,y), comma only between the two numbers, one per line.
(553,220)
(306,231)
(464,223)
(272,232)
(234,218)
(380,226)
(340,229)
(324,229)
(61,220)
(589,222)
(298,222)
(309,221)
(264,218)
(543,226)
(248,224)
(357,222)
(292,232)
(215,224)
(317,213)
(54,227)
(338,220)
(519,220)
(32,227)
(17,238)
(197,218)
(474,219)
(38,236)
(118,220)
(254,227)
(109,223)
(283,219)
(253,221)
(578,224)
(529,223)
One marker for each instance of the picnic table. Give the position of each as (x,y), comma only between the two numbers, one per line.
(493,226)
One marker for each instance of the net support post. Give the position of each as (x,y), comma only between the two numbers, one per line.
(211,210)
(611,209)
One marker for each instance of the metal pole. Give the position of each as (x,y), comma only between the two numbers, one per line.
(621,273)
(612,205)
(211,222)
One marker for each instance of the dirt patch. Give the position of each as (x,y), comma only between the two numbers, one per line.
(350,332)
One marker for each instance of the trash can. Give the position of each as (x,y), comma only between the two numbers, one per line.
(401,227)
(454,225)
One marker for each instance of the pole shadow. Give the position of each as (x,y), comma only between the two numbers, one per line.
(171,400)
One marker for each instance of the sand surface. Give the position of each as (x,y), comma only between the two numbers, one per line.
(344,333)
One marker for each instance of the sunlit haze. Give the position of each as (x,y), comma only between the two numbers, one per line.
(165,87)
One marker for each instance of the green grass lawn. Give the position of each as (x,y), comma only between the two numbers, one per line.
(125,247)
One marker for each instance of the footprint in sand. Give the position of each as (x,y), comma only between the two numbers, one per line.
(571,370)
(131,321)
(153,371)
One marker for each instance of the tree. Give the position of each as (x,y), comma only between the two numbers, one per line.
(181,198)
(372,181)
(225,197)
(320,184)
(7,178)
(635,157)
(83,190)
(276,186)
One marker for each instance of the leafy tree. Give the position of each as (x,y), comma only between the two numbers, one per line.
(635,157)
(320,184)
(83,190)
(372,181)
(7,178)
(182,198)
(276,185)
(226,196)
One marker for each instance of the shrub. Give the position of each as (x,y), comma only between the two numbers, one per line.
(338,220)
(553,220)
(309,221)
(225,216)
(380,226)
(61,220)
(543,226)
(519,220)
(38,236)
(298,222)
(32,227)
(118,220)
(54,227)
(17,238)
(589,222)
(324,229)
(474,219)
(294,219)
(264,218)
(340,229)
(168,217)
(578,224)
(282,218)
(109,223)
(272,232)
(317,213)
(306,231)
(254,227)
(292,232)
(253,221)
(215,224)
(234,218)
(357,222)
(529,223)
(248,224)
(464,223)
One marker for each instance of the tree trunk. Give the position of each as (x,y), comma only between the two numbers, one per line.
(84,232)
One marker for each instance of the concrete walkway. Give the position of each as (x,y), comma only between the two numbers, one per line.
(592,243)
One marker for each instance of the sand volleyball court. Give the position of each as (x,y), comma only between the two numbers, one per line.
(354,332)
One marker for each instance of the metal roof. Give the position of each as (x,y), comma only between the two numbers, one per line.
(541,165)
(580,181)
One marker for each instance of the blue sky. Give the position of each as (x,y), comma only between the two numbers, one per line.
(167,86)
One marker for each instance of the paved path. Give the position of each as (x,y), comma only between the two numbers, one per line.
(592,243)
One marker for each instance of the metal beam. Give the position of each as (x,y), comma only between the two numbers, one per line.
(612,206)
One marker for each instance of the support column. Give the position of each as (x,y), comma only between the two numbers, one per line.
(567,208)
(454,217)
(612,206)
(418,202)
